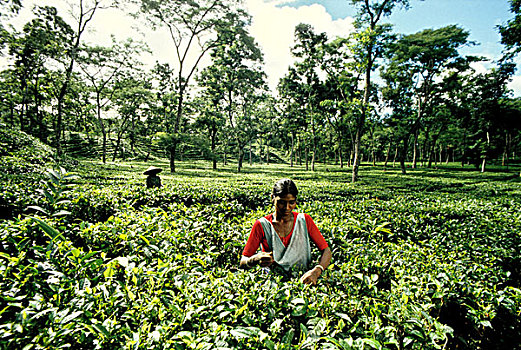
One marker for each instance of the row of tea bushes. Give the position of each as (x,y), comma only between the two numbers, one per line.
(134,268)
(152,279)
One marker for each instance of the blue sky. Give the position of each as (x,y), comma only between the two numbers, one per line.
(479,17)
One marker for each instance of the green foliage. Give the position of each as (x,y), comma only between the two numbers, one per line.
(511,30)
(22,153)
(427,261)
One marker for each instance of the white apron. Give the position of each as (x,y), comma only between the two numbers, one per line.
(298,251)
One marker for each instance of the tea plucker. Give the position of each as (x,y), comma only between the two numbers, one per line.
(153,179)
(286,237)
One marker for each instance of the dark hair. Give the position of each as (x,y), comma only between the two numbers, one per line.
(284,187)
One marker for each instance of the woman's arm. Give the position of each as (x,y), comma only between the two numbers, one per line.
(249,258)
(262,259)
(312,275)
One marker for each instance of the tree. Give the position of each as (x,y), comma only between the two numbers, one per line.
(235,78)
(83,14)
(190,24)
(343,97)
(511,31)
(308,51)
(41,43)
(415,62)
(104,67)
(131,99)
(367,50)
(294,113)
(211,118)
(485,120)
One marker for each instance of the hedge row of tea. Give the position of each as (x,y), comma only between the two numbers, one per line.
(119,266)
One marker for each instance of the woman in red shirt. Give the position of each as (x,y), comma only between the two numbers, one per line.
(285,237)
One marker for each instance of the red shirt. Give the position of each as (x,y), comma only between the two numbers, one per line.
(257,236)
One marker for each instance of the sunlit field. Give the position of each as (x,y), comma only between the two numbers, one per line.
(425,260)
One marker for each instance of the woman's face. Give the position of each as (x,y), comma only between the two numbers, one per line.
(284,205)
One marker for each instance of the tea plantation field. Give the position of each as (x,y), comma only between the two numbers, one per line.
(429,260)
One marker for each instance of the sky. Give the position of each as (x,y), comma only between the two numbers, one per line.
(274,21)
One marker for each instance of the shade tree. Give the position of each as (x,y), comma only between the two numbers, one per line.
(236,79)
(368,44)
(485,123)
(103,67)
(132,100)
(191,26)
(343,97)
(299,89)
(292,111)
(416,62)
(83,12)
(33,52)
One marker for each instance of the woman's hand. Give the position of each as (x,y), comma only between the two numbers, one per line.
(264,259)
(311,276)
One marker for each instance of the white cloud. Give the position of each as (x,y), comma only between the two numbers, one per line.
(273,27)
(480,67)
(485,67)
(515,85)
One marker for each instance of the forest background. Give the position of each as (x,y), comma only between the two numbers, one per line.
(370,94)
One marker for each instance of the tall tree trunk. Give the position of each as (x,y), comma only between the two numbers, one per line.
(484,159)
(171,155)
(267,152)
(239,156)
(104,148)
(314,145)
(306,155)
(425,147)
(213,135)
(504,160)
(292,150)
(118,141)
(133,138)
(387,154)
(340,158)
(179,116)
(115,153)
(395,154)
(432,150)
(356,153)
(250,160)
(414,150)
(104,132)
(299,151)
(403,155)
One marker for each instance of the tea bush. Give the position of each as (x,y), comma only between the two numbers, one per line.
(419,262)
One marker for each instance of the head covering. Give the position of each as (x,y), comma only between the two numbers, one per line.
(152,170)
